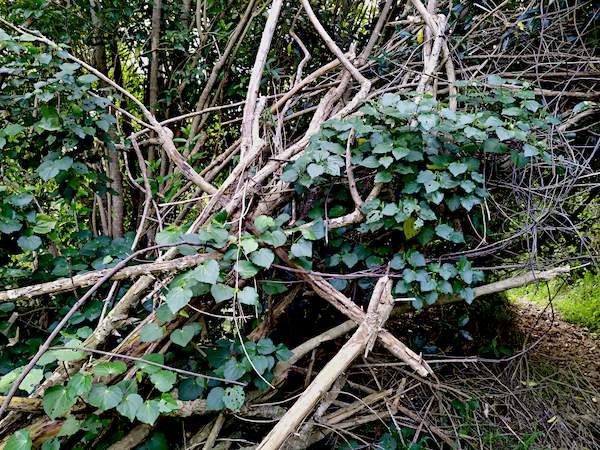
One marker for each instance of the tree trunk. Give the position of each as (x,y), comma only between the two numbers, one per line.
(153,76)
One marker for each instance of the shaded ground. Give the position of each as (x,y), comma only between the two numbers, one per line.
(547,397)
(566,345)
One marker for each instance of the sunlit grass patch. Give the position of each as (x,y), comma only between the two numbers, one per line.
(577,302)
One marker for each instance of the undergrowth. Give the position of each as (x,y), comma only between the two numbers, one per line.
(577,302)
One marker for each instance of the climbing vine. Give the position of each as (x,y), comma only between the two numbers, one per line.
(97,164)
(426,166)
(429,163)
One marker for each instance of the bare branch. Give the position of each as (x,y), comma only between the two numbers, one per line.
(255,77)
(90,278)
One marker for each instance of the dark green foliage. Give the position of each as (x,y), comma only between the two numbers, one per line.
(428,159)
(63,131)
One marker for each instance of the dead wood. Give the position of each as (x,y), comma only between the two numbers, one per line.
(253,187)
(90,278)
(332,370)
(351,310)
(132,439)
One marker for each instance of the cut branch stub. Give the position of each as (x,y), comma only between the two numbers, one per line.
(379,310)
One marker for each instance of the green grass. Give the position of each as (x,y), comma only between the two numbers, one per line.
(577,302)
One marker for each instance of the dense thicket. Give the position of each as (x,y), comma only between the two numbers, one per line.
(177,176)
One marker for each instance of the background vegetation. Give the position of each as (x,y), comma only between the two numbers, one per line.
(201,200)
(576,301)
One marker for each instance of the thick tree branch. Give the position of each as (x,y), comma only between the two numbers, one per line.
(255,77)
(89,278)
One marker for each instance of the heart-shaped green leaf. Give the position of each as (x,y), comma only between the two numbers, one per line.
(221,292)
(183,336)
(58,401)
(150,332)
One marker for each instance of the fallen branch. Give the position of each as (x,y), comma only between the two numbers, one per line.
(330,373)
(577,117)
(89,278)
(355,407)
(354,312)
(214,432)
(303,438)
(132,439)
(24,404)
(533,276)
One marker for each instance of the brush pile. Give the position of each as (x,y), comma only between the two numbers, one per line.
(443,153)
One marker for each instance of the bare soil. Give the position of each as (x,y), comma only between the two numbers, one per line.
(567,345)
